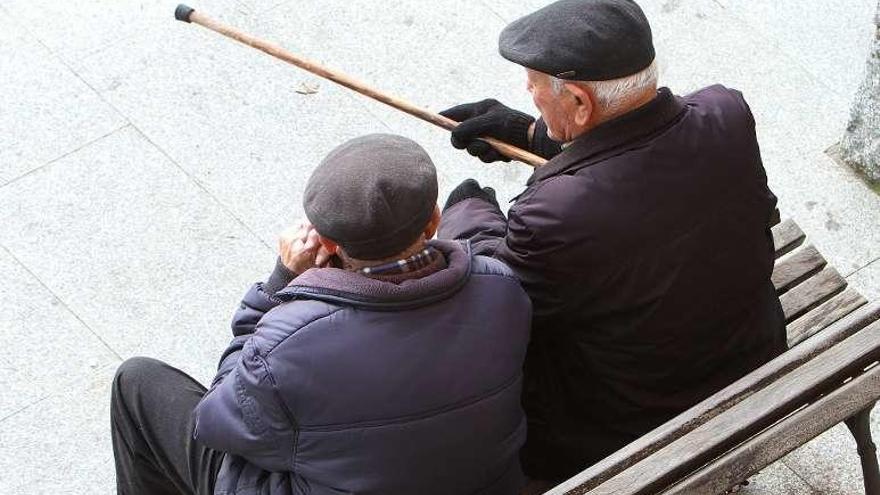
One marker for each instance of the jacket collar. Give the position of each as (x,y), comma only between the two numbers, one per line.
(339,286)
(645,120)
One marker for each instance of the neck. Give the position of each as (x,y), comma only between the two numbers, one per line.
(622,108)
(353,265)
(629,105)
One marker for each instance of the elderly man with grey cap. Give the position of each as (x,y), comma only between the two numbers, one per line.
(643,242)
(366,364)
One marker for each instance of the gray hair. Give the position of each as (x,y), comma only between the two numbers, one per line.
(613,93)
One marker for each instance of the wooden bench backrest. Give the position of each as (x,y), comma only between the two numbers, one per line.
(748,417)
(792,431)
(812,294)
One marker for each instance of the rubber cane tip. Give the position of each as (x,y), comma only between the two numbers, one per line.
(182,12)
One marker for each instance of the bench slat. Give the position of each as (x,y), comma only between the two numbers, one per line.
(717,403)
(754,413)
(780,439)
(795,267)
(827,313)
(786,236)
(811,293)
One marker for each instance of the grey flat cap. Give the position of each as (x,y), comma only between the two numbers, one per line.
(585,40)
(372,195)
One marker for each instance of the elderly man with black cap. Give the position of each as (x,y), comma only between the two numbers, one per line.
(643,242)
(376,373)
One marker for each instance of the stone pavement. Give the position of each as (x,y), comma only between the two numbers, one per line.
(147,165)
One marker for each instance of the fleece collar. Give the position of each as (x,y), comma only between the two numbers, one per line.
(339,286)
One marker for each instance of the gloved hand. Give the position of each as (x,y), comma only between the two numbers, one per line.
(488,118)
(470,189)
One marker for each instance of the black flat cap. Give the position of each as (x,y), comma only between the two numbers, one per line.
(584,40)
(372,195)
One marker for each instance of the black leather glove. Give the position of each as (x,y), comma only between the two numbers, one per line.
(488,118)
(470,189)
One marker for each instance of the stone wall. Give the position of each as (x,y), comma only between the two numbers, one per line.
(860,146)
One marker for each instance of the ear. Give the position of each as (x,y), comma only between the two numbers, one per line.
(584,106)
(433,223)
(328,244)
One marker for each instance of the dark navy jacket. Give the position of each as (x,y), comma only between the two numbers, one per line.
(645,248)
(342,384)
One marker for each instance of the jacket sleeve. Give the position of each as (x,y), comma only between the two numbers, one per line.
(242,413)
(255,304)
(760,171)
(476,220)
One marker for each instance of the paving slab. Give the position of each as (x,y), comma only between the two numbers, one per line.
(76,29)
(831,40)
(776,479)
(731,53)
(61,445)
(146,259)
(830,463)
(867,281)
(229,115)
(839,213)
(509,11)
(260,7)
(35,322)
(47,111)
(17,389)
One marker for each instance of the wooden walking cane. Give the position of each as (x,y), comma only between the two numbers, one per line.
(188,14)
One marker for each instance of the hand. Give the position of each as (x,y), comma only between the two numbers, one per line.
(470,189)
(488,118)
(300,249)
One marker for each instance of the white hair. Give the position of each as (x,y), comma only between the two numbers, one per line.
(611,94)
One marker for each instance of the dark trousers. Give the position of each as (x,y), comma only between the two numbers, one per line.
(151,419)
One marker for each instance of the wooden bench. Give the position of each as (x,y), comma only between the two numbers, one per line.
(829,375)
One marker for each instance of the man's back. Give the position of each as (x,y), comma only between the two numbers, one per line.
(364,386)
(645,249)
